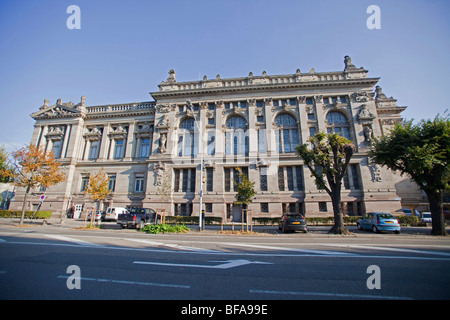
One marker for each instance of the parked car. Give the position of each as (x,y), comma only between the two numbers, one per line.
(137,218)
(112,213)
(99,215)
(379,221)
(425,217)
(292,222)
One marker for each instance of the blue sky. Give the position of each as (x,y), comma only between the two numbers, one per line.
(124,49)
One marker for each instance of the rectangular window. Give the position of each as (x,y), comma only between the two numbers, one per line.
(211,142)
(299,177)
(323,207)
(84,183)
(290,178)
(139,184)
(262,144)
(209,179)
(227,179)
(355,176)
(145,148)
(184,187)
(264,207)
(118,149)
(112,182)
(209,207)
(280,178)
(93,150)
(263,178)
(176,186)
(57,149)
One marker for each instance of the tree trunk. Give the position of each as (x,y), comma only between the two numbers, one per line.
(437,215)
(23,205)
(338,227)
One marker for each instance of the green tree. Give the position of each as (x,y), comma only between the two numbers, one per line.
(245,189)
(328,160)
(422,151)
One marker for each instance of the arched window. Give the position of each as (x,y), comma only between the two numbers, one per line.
(187,146)
(287,134)
(236,136)
(337,123)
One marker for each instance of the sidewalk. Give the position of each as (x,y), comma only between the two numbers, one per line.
(215,230)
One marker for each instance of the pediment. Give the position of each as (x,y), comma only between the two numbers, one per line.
(57,111)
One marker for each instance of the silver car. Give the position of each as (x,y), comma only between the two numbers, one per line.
(379,221)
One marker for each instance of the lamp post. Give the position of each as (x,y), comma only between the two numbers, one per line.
(200,147)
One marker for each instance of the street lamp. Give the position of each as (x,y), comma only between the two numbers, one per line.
(200,147)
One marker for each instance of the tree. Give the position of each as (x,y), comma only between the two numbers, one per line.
(97,189)
(245,189)
(329,157)
(423,152)
(31,168)
(5,166)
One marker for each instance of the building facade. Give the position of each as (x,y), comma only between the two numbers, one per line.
(193,135)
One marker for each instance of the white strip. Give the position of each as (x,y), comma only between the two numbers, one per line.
(336,295)
(131,282)
(77,241)
(323,252)
(169,245)
(390,249)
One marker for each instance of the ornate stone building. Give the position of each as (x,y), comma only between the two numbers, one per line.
(152,151)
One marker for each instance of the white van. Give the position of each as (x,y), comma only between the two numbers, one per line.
(112,213)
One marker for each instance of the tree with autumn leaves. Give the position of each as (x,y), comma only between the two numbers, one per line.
(31,167)
(97,189)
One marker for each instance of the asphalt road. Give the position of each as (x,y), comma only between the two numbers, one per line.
(125,264)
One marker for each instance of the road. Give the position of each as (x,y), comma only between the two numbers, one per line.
(125,264)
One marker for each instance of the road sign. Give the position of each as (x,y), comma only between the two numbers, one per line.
(43,197)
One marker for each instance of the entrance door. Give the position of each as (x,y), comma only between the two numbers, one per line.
(78,210)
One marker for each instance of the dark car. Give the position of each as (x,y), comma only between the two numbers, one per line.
(292,222)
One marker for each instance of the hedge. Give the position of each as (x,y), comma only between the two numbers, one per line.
(348,220)
(28,214)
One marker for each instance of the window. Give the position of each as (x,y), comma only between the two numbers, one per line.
(187,179)
(209,207)
(263,178)
(57,149)
(84,183)
(209,179)
(187,146)
(112,182)
(139,184)
(262,142)
(290,177)
(211,142)
(323,207)
(231,176)
(118,149)
(264,207)
(236,136)
(145,148)
(93,150)
(286,136)
(337,123)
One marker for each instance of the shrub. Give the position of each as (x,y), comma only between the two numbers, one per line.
(28,214)
(158,228)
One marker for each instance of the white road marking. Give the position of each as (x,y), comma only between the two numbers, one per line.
(227,265)
(169,245)
(333,295)
(322,252)
(131,282)
(77,241)
(382,248)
